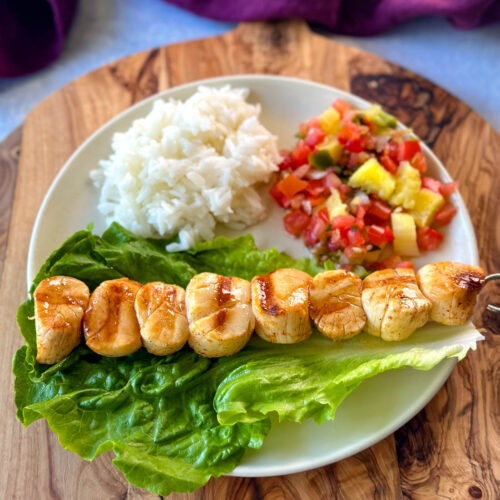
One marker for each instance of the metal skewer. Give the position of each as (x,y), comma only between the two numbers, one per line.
(492,277)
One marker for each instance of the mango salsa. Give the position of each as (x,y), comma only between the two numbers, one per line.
(405,234)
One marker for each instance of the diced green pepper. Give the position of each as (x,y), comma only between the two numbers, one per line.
(320,159)
(379,117)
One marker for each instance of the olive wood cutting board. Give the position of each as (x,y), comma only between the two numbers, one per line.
(451,449)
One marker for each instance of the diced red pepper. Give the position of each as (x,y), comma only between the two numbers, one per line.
(376,235)
(431,184)
(314,136)
(300,153)
(389,234)
(408,149)
(280,198)
(379,209)
(388,163)
(405,264)
(419,162)
(428,239)
(295,222)
(291,185)
(448,188)
(446,214)
(314,230)
(341,106)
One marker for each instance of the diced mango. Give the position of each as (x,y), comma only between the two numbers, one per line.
(335,206)
(405,235)
(427,204)
(373,178)
(408,185)
(329,121)
(333,147)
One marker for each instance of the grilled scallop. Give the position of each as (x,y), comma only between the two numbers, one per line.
(161,313)
(452,288)
(393,303)
(110,324)
(219,313)
(280,303)
(335,304)
(60,302)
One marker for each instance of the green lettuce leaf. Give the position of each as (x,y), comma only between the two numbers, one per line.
(173,422)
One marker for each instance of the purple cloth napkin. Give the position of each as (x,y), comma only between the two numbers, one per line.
(32,33)
(353,17)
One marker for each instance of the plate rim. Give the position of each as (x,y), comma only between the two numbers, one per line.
(360,445)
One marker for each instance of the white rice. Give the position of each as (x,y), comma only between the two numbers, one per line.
(187,166)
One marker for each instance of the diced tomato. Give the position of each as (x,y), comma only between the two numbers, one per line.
(391,149)
(350,137)
(295,222)
(428,239)
(314,136)
(324,215)
(344,189)
(296,201)
(300,153)
(331,180)
(291,185)
(316,201)
(388,163)
(286,163)
(280,198)
(389,234)
(404,264)
(360,216)
(446,214)
(448,187)
(431,184)
(341,106)
(349,252)
(408,149)
(343,222)
(316,187)
(302,171)
(419,162)
(314,229)
(391,262)
(379,209)
(355,237)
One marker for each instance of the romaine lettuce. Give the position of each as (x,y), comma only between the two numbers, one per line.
(175,421)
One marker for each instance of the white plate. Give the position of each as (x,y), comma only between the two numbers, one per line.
(374,410)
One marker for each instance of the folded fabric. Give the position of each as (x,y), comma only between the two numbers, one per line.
(352,17)
(32,33)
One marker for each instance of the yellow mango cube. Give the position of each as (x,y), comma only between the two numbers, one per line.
(427,204)
(372,177)
(405,235)
(329,121)
(333,147)
(408,184)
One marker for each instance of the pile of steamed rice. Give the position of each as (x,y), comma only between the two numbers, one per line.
(187,166)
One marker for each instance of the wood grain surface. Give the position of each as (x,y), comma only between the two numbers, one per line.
(451,449)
